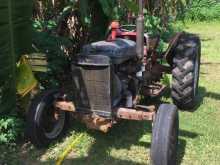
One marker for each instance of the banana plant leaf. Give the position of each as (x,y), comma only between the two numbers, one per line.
(25,80)
(15,32)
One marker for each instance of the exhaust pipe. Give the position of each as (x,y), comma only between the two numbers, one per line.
(140,31)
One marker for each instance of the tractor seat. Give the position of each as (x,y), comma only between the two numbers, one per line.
(118,51)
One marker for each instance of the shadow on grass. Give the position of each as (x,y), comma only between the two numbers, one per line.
(210,63)
(122,136)
(181,151)
(204,93)
(213,95)
(206,39)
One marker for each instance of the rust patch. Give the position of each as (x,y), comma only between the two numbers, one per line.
(65,106)
(97,122)
(133,114)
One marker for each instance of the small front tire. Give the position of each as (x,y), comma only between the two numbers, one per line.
(44,123)
(165,136)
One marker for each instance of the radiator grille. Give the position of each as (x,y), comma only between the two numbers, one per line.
(92,88)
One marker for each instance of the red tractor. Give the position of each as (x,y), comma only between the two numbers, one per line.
(110,77)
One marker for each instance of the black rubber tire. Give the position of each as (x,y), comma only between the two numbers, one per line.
(165,136)
(35,130)
(185,73)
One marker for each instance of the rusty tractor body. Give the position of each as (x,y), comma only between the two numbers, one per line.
(110,77)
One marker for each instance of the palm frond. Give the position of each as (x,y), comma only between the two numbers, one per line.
(15,40)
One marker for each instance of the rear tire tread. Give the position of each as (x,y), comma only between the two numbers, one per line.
(186,51)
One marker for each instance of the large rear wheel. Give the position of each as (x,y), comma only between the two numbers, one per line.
(45,123)
(165,136)
(186,68)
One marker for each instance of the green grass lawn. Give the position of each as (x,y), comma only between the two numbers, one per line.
(202,144)
(128,143)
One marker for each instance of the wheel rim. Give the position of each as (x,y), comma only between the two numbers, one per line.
(54,122)
(196,75)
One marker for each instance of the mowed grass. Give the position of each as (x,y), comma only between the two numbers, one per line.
(202,147)
(128,143)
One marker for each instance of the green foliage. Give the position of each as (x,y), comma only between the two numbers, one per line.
(166,80)
(10,129)
(110,8)
(203,10)
(153,24)
(40,25)
(56,50)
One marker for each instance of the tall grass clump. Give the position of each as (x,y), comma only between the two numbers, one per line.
(203,10)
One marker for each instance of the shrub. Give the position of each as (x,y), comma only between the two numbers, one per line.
(56,50)
(10,129)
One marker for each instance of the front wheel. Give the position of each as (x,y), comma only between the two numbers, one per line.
(165,136)
(44,122)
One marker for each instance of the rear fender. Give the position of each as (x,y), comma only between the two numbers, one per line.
(169,54)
